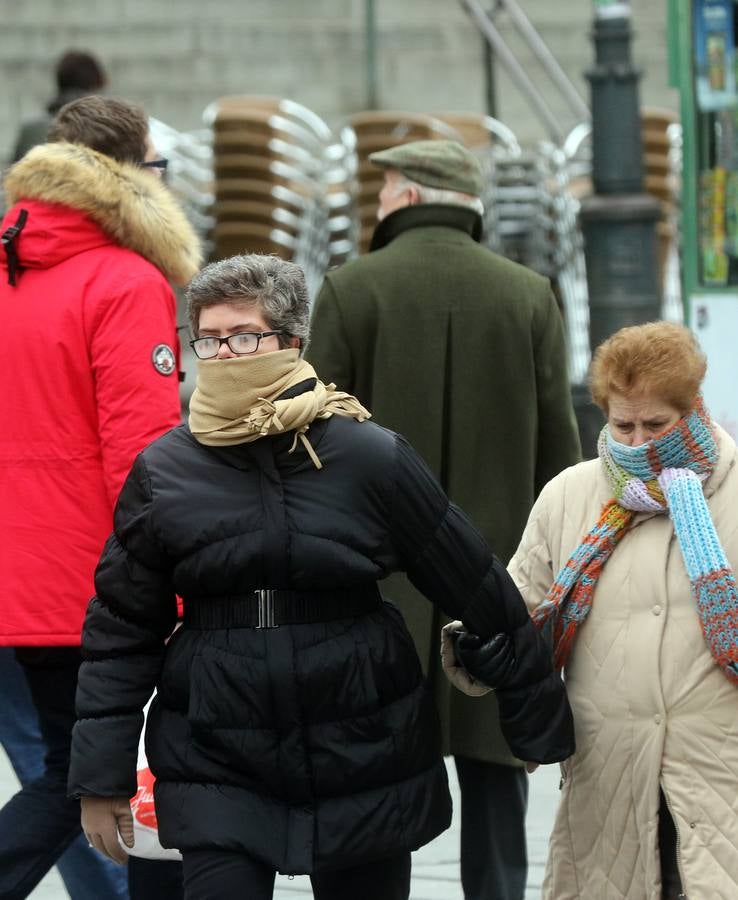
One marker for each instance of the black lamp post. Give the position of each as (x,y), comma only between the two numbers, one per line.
(618,220)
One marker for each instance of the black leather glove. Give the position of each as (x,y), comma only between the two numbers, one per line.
(490,661)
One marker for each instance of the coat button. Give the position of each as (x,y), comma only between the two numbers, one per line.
(657,719)
(692,824)
(656,610)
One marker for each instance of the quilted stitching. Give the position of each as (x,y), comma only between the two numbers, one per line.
(641,655)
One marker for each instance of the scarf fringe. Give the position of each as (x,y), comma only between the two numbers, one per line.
(564,641)
(303,438)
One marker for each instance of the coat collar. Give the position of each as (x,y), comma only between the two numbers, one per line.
(426,215)
(135,209)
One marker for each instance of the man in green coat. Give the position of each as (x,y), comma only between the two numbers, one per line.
(462,352)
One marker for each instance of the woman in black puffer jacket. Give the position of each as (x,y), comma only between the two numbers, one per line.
(292,730)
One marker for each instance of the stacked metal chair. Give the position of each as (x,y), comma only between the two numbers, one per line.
(559,183)
(269,175)
(662,165)
(282,184)
(479,132)
(518,220)
(661,137)
(673,306)
(189,173)
(662,140)
(368,132)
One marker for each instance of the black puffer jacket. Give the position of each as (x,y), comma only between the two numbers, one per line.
(308,746)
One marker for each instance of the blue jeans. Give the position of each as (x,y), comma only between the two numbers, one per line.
(86,874)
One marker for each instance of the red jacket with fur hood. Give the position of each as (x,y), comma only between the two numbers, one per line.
(89,368)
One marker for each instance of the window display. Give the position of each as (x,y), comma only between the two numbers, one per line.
(714,26)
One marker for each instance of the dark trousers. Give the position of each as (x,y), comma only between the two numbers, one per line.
(155,879)
(671,884)
(40,821)
(494,856)
(223,875)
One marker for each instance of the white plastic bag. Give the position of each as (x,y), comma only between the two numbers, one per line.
(145,832)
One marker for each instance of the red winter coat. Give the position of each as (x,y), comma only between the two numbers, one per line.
(86,378)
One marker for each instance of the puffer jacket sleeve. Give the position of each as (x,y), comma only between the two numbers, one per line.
(123,641)
(448,560)
(532,571)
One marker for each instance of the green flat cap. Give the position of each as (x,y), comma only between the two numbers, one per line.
(438,164)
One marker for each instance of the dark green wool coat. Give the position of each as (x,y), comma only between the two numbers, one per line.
(462,352)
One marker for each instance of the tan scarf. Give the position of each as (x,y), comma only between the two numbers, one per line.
(235,400)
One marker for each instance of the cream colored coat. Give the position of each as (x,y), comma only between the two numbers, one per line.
(650,706)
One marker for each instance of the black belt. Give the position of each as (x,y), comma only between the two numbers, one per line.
(266,608)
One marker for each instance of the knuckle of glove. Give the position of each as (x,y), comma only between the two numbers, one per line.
(466,642)
(492,662)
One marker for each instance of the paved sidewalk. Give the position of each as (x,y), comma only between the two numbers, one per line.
(435,866)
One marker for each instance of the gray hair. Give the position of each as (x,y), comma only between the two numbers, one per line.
(439,195)
(276,286)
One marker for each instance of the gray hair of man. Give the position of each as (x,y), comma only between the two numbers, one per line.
(277,287)
(428,194)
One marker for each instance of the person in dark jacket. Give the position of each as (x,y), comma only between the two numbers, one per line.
(77,74)
(477,343)
(292,729)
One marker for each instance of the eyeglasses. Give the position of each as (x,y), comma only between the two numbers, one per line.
(244,342)
(159,164)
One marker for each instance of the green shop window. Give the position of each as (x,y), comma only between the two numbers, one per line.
(714,25)
(703,67)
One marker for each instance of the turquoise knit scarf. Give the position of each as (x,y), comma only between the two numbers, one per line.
(661,476)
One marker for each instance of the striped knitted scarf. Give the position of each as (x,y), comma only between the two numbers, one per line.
(662,476)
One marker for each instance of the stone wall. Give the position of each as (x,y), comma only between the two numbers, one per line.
(175,57)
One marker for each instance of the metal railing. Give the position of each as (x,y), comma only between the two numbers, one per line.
(507,58)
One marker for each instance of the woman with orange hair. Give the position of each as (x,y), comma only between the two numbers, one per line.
(628,562)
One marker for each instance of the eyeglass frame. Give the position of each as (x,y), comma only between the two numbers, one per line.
(161,164)
(259,335)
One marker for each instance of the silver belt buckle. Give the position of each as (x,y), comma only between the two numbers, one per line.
(265,599)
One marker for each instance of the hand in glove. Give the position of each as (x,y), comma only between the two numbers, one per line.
(103,818)
(489,661)
(455,673)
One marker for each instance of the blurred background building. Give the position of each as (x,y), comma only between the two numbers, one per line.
(174,58)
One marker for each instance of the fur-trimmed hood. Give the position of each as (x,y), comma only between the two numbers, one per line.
(130,204)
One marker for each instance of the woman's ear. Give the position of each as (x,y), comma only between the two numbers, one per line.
(295,342)
(413,195)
